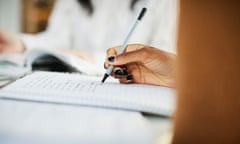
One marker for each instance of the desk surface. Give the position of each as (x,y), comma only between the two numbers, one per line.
(24,122)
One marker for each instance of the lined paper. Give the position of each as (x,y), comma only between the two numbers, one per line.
(83,90)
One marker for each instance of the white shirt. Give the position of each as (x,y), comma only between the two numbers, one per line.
(70,26)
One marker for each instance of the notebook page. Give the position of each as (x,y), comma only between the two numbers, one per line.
(76,89)
(73,61)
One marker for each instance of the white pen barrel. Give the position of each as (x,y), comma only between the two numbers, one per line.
(109,70)
(123,47)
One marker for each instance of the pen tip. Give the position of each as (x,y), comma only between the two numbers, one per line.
(105,77)
(142,13)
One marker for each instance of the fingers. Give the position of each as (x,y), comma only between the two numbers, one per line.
(125,68)
(122,74)
(129,74)
(126,80)
(137,56)
(119,72)
(131,47)
(112,52)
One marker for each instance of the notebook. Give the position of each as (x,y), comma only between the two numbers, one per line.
(75,89)
(46,60)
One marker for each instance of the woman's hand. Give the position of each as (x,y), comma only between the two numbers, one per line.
(142,64)
(10,43)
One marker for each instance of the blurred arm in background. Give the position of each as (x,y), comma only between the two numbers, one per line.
(71,27)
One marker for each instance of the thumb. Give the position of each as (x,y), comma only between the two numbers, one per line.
(128,57)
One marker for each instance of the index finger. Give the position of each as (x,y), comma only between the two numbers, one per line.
(131,47)
(112,51)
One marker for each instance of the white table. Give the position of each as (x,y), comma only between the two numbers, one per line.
(27,122)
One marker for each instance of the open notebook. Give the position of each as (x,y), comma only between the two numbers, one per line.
(16,65)
(75,89)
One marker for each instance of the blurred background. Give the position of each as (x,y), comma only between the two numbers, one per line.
(28,16)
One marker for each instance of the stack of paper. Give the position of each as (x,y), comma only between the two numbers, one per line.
(10,72)
(85,90)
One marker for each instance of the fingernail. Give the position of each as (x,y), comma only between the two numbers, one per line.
(125,71)
(118,72)
(111,58)
(129,77)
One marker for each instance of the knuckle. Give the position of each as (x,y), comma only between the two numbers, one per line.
(139,46)
(113,50)
(109,50)
(144,52)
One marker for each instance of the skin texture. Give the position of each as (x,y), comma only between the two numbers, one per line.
(146,64)
(10,43)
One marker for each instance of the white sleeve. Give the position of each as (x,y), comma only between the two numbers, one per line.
(164,35)
(58,32)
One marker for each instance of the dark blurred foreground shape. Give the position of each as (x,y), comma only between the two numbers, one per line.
(208,110)
(35,14)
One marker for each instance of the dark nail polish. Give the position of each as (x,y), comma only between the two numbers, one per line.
(111,58)
(125,71)
(118,72)
(129,77)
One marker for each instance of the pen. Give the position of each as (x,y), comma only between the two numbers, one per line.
(124,45)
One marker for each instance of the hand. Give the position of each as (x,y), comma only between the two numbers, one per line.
(142,64)
(10,43)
